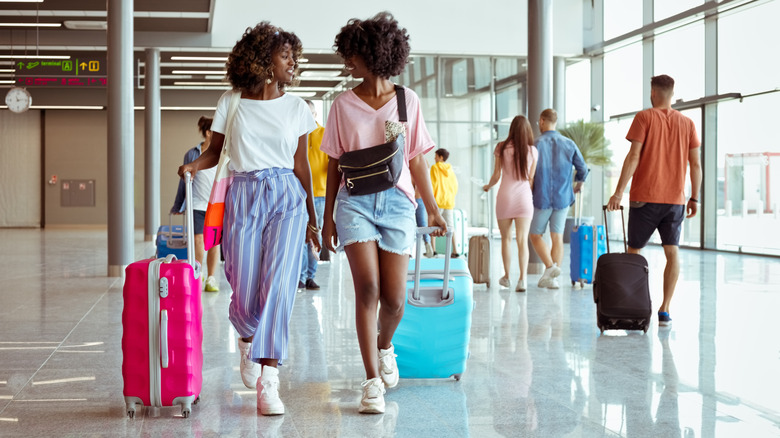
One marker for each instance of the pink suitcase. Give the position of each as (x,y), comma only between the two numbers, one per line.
(162,334)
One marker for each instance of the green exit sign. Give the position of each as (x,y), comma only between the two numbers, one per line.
(89,71)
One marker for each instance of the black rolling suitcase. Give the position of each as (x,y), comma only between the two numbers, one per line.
(620,288)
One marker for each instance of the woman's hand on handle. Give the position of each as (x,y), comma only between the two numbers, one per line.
(189,167)
(435,220)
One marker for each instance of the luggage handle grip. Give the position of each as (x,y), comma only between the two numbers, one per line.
(164,338)
(606,227)
(418,256)
(190,219)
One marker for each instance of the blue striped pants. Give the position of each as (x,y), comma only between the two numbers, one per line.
(265,221)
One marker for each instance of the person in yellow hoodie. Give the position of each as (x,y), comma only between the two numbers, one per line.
(318,161)
(445,187)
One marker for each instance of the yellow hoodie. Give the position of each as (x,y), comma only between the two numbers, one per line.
(445,185)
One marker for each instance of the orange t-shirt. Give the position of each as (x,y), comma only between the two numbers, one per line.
(666,136)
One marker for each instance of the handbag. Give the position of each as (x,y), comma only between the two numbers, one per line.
(215,211)
(377,168)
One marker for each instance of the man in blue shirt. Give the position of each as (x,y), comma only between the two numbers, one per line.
(553,193)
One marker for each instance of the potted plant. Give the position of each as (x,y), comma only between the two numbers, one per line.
(594,147)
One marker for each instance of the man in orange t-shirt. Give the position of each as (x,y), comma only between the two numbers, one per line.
(663,144)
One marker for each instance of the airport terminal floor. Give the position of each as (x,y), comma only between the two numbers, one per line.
(539,366)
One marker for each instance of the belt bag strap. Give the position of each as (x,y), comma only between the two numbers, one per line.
(377,168)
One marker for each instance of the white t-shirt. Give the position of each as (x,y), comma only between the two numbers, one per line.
(201,188)
(265,132)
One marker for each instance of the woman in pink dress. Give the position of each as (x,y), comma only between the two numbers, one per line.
(516,159)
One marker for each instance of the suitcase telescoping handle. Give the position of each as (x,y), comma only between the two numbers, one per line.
(606,228)
(418,256)
(190,224)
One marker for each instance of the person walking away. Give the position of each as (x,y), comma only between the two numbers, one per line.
(554,194)
(664,144)
(376,230)
(201,189)
(445,187)
(269,203)
(515,165)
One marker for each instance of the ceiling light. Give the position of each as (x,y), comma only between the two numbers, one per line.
(21,1)
(30,24)
(198,72)
(303,60)
(320,73)
(34,56)
(7,70)
(85,25)
(199,58)
(220,84)
(8,82)
(302,93)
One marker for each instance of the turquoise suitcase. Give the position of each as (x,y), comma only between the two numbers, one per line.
(432,339)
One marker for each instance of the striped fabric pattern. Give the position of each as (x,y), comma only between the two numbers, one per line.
(265,221)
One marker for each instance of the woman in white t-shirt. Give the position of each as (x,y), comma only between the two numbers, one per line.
(376,230)
(269,206)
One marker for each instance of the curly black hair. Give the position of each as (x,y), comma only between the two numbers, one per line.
(250,62)
(378,41)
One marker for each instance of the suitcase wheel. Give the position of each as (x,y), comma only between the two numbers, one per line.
(185,412)
(456,376)
(196,400)
(131,412)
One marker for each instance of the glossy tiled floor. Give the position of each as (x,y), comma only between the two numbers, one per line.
(538,365)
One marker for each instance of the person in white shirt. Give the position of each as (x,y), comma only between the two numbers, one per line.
(269,206)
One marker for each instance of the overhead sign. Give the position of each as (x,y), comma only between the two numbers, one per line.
(89,72)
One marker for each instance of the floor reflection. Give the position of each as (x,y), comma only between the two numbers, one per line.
(538,365)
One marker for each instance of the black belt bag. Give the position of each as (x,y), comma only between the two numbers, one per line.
(378,168)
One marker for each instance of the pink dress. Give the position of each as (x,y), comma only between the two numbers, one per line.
(514,198)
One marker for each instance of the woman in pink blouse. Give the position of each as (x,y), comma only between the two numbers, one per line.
(377,230)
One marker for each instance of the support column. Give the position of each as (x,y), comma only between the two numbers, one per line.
(540,58)
(540,80)
(648,54)
(559,89)
(120,136)
(709,152)
(152,144)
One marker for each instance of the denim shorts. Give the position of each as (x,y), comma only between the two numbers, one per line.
(644,220)
(386,217)
(556,218)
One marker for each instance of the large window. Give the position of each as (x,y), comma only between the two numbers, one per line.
(578,91)
(666,8)
(623,80)
(680,54)
(749,175)
(621,16)
(746,61)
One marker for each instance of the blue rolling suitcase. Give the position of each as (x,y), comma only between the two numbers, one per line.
(588,243)
(432,339)
(171,239)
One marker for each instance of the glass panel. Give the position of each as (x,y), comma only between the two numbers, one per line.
(623,80)
(578,91)
(510,102)
(748,176)
(621,16)
(680,54)
(666,8)
(746,64)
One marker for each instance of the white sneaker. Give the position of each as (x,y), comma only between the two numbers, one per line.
(388,368)
(521,286)
(554,284)
(268,401)
(503,282)
(549,274)
(373,401)
(211,284)
(428,250)
(250,370)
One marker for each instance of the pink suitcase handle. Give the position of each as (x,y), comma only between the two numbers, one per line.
(164,338)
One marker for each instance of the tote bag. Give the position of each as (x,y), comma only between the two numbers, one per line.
(215,212)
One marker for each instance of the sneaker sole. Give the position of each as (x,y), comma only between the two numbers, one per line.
(363,409)
(269,412)
(388,385)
